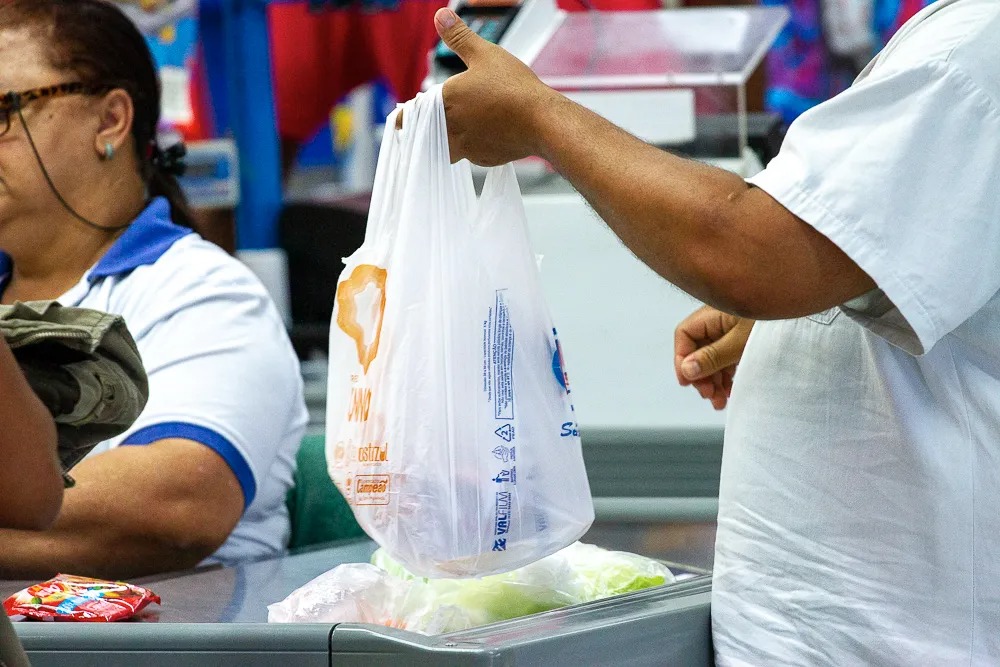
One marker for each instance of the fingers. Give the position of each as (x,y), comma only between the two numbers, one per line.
(689,335)
(705,388)
(712,358)
(715,389)
(703,328)
(708,345)
(457,36)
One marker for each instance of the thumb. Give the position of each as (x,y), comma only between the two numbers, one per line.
(705,361)
(457,36)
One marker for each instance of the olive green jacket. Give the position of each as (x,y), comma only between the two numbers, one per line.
(84,366)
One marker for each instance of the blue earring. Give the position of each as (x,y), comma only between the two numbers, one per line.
(109,151)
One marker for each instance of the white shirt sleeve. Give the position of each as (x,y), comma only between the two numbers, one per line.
(902,173)
(221,371)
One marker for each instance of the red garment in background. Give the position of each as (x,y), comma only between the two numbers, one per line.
(319,58)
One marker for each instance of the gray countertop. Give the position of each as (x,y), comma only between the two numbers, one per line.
(216,617)
(238,594)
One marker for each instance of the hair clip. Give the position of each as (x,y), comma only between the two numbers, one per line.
(170,159)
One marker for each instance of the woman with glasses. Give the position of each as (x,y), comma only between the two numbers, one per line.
(91,215)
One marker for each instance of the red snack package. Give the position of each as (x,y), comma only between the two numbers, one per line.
(66,597)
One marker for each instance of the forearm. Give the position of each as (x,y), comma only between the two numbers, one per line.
(700,227)
(97,540)
(134,511)
(103,551)
(30,481)
(671,212)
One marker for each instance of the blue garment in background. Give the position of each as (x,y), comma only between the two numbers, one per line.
(801,70)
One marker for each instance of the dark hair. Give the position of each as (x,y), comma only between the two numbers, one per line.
(101,46)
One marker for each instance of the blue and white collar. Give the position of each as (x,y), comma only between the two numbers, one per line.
(143,243)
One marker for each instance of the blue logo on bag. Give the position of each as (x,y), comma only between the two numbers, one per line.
(507,476)
(500,544)
(558,364)
(503,513)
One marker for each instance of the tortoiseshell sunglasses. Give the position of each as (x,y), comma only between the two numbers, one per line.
(12,102)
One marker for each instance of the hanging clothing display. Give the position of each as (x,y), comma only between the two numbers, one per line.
(824,46)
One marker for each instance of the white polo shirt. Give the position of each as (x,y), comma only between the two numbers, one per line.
(221,369)
(859,507)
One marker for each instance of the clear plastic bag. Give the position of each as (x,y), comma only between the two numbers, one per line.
(363,593)
(450,428)
(386,594)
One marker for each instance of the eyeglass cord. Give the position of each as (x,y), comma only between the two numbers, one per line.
(52,186)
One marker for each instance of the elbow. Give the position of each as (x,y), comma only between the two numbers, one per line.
(169,545)
(741,300)
(191,552)
(743,297)
(729,270)
(190,538)
(720,273)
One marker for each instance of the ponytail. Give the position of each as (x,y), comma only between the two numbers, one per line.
(164,184)
(162,168)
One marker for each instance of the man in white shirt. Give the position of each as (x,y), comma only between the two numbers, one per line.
(860,495)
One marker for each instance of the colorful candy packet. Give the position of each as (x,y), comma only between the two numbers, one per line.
(67,597)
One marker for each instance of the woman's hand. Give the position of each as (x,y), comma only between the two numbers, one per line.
(708,345)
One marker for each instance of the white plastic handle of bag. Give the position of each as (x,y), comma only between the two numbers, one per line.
(390,172)
(424,121)
(500,182)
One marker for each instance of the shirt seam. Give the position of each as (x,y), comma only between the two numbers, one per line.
(947,65)
(797,190)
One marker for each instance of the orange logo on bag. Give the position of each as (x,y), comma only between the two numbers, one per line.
(371,490)
(360,306)
(361,401)
(373,452)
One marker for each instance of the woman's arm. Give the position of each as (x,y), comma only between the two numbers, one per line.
(134,511)
(31,485)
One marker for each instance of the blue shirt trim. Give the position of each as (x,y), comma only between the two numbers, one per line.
(217,443)
(144,242)
(6,266)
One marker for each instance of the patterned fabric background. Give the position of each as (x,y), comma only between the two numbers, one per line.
(802,70)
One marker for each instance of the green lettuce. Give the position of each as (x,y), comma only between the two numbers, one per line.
(576,574)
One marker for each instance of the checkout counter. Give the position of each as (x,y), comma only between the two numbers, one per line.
(217,617)
(677,79)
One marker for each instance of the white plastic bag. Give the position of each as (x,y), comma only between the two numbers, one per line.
(363,593)
(450,429)
(386,594)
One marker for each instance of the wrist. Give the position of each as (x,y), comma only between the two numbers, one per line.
(540,113)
